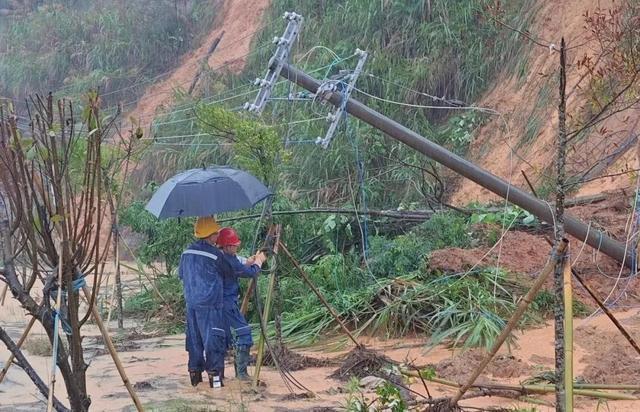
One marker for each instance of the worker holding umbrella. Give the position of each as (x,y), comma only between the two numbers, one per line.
(201,275)
(204,192)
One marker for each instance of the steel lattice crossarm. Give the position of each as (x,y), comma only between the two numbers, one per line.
(281,54)
(332,86)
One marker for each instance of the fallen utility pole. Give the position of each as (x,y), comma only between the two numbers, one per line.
(538,208)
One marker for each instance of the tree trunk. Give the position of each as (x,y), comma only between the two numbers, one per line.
(559,234)
(28,369)
(45,316)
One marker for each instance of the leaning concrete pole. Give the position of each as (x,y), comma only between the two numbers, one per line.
(538,208)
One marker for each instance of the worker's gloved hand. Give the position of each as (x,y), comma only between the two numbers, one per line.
(259,258)
(251,260)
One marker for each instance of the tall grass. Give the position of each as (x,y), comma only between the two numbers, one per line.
(452,50)
(108,44)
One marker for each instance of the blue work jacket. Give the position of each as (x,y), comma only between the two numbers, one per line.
(201,275)
(233,269)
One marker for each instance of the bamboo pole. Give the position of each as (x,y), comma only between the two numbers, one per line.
(112,351)
(9,361)
(539,389)
(607,386)
(265,317)
(54,354)
(607,312)
(112,297)
(602,307)
(118,278)
(245,301)
(513,322)
(274,232)
(315,290)
(568,336)
(3,294)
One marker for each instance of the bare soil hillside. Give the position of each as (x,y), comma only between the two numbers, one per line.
(523,136)
(240,21)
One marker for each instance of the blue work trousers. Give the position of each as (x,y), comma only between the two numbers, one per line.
(205,339)
(236,324)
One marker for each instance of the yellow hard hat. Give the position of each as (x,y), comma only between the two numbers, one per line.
(205,226)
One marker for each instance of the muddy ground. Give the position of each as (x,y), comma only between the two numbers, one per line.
(157,367)
(157,364)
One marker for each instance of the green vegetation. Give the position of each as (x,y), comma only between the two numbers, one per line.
(74,46)
(388,398)
(391,293)
(167,312)
(543,306)
(38,345)
(186,405)
(164,239)
(415,51)
(425,54)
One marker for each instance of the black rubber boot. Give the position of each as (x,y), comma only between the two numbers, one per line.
(215,380)
(195,377)
(242,360)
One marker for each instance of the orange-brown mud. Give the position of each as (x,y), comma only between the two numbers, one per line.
(157,367)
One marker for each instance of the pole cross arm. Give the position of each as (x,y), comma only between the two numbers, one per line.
(463,167)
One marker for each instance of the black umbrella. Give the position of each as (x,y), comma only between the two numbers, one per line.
(207,191)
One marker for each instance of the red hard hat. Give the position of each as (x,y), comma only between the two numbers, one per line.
(228,237)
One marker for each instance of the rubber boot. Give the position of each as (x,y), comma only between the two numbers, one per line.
(195,377)
(242,360)
(215,380)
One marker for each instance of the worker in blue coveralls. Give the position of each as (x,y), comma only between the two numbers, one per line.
(235,268)
(201,275)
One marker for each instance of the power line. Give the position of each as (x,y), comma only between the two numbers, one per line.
(304,121)
(192,105)
(423,106)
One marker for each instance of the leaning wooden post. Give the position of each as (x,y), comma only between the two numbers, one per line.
(607,312)
(9,361)
(315,290)
(273,233)
(263,336)
(247,296)
(56,340)
(568,336)
(3,294)
(112,350)
(513,322)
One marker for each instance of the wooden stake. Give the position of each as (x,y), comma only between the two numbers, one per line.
(607,312)
(9,361)
(273,233)
(3,294)
(315,290)
(513,322)
(54,355)
(265,318)
(112,350)
(247,296)
(541,389)
(568,337)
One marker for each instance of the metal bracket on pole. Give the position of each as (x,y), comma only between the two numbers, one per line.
(330,87)
(284,44)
